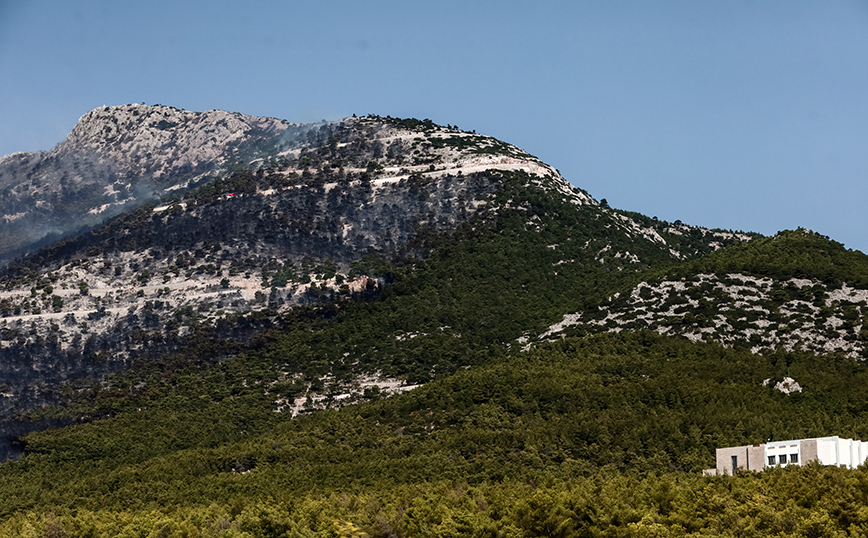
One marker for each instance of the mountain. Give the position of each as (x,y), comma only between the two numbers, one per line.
(117,158)
(222,353)
(236,254)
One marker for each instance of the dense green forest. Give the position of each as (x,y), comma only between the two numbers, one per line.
(806,501)
(789,254)
(601,436)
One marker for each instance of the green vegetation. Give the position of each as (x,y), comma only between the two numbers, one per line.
(789,254)
(478,145)
(810,501)
(596,434)
(411,124)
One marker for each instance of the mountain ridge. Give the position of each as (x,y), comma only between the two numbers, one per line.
(237,253)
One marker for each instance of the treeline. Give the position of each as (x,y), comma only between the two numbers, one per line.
(789,254)
(692,241)
(803,501)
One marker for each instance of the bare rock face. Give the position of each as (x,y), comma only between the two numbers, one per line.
(787,385)
(164,142)
(738,309)
(117,158)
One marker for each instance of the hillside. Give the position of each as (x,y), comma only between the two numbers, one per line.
(532,439)
(796,290)
(391,327)
(360,205)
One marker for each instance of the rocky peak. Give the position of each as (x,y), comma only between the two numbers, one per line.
(117,158)
(159,140)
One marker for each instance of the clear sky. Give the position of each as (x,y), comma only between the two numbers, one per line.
(749,115)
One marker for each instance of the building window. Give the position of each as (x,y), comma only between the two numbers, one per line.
(771,460)
(794,458)
(782,458)
(734,465)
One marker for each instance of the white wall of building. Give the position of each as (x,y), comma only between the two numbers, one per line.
(827,450)
(833,450)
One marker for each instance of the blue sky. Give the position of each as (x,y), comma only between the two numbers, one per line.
(748,115)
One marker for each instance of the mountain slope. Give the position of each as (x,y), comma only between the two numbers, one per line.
(638,404)
(117,158)
(796,290)
(480,241)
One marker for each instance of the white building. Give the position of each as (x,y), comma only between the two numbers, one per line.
(847,453)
